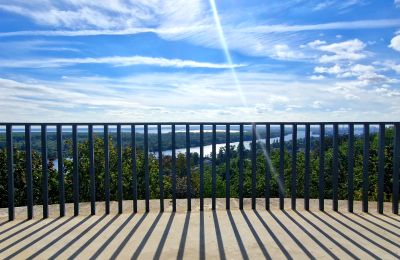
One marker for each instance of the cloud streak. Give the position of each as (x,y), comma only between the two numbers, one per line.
(116,61)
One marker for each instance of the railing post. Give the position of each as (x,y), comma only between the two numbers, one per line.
(188,170)
(381,166)
(60,157)
(134,171)
(28,167)
(10,172)
(268,167)
(241,155)
(365,184)
(281,182)
(294,165)
(253,165)
(227,167)
(160,168)
(321,182)
(213,167)
(335,167)
(396,169)
(201,167)
(119,149)
(307,169)
(106,169)
(75,176)
(92,173)
(173,166)
(146,167)
(350,169)
(45,172)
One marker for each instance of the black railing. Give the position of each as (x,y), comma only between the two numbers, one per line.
(253,129)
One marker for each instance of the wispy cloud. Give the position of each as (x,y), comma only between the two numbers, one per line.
(116,61)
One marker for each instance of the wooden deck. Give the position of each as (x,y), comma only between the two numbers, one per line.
(210,234)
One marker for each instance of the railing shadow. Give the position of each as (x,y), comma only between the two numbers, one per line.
(163,239)
(30,244)
(377,225)
(360,234)
(18,231)
(90,240)
(219,237)
(311,223)
(202,245)
(70,243)
(369,252)
(256,236)
(28,235)
(385,221)
(108,241)
(55,240)
(292,236)
(237,235)
(185,230)
(369,229)
(327,250)
(129,236)
(274,237)
(144,240)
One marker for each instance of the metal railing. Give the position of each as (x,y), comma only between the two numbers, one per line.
(213,129)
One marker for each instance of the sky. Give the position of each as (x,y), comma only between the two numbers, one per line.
(192,60)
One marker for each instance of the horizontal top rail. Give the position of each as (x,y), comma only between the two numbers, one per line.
(204,123)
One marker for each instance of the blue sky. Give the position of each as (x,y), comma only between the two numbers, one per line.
(189,60)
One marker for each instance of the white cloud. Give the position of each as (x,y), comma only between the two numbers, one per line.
(395,43)
(342,51)
(329,70)
(117,61)
(397,3)
(317,77)
(284,52)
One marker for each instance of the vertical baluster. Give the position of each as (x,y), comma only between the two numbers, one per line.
(160,168)
(173,169)
(396,169)
(10,172)
(321,181)
(134,171)
(107,169)
(294,165)
(281,182)
(75,175)
(335,167)
(307,169)
(188,171)
(253,166)
(365,185)
(28,168)
(350,169)
(119,149)
(381,167)
(45,173)
(92,173)
(60,157)
(213,167)
(146,167)
(201,167)
(241,167)
(268,167)
(227,167)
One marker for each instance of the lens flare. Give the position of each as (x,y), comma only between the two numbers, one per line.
(238,86)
